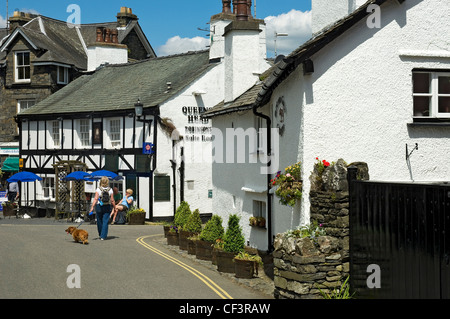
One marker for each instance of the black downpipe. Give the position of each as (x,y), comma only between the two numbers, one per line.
(269,164)
(174,185)
(181,169)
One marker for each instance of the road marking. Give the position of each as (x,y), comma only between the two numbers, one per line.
(206,280)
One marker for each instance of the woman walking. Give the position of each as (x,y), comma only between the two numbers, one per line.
(105,197)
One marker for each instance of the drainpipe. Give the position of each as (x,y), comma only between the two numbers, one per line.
(269,196)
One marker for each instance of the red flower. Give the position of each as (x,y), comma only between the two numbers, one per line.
(325,163)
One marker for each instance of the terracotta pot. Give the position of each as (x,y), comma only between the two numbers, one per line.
(225,262)
(203,250)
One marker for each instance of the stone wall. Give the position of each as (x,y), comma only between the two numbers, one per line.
(305,266)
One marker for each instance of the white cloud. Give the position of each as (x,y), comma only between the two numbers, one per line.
(2,22)
(176,45)
(297,24)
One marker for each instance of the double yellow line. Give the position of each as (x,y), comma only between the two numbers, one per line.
(206,280)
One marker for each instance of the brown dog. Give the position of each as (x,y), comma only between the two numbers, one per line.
(78,235)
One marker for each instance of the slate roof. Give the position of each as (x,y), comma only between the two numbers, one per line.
(61,43)
(118,87)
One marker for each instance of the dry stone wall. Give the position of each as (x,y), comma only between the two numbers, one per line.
(303,267)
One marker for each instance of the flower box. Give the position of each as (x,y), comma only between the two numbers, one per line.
(203,250)
(183,239)
(172,238)
(245,268)
(225,261)
(136,219)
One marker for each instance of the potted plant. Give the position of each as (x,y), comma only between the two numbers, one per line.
(289,185)
(9,209)
(172,236)
(233,243)
(246,265)
(193,226)
(181,217)
(212,231)
(136,216)
(257,221)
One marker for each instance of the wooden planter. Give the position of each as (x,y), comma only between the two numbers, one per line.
(225,262)
(191,247)
(183,243)
(166,230)
(172,239)
(136,219)
(245,268)
(9,211)
(203,250)
(214,256)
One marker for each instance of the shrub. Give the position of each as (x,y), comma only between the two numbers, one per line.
(213,230)
(194,223)
(182,214)
(233,239)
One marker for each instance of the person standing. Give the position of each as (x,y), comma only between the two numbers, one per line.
(105,197)
(12,192)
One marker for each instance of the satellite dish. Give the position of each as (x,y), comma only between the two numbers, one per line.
(279,58)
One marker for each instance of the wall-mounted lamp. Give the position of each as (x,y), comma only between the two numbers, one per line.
(139,109)
(139,112)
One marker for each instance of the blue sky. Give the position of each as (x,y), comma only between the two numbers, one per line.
(171,26)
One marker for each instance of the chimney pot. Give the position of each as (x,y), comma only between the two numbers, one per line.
(226,6)
(114,36)
(99,35)
(108,36)
(242,10)
(249,4)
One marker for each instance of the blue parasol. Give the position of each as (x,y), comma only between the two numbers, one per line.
(24,177)
(103,173)
(78,176)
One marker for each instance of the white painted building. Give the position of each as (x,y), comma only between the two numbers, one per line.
(354,91)
(93,119)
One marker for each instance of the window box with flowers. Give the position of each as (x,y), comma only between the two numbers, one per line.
(289,185)
(136,216)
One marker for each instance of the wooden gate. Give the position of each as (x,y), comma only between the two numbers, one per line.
(400,233)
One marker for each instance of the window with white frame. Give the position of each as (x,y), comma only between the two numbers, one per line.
(84,132)
(431,93)
(48,185)
(63,75)
(23,105)
(55,132)
(22,66)
(114,132)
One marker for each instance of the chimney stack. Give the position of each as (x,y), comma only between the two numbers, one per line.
(125,16)
(19,19)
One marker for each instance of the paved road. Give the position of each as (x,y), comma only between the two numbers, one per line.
(36,255)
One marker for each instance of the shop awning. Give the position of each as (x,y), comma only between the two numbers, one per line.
(11,164)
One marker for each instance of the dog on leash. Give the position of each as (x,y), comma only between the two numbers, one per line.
(78,235)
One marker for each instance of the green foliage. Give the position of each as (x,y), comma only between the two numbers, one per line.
(339,293)
(213,230)
(233,239)
(194,223)
(182,214)
(289,189)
